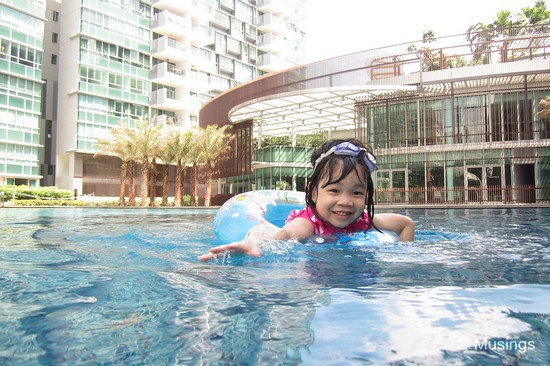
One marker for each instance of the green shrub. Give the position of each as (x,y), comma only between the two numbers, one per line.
(8,192)
(35,193)
(63,203)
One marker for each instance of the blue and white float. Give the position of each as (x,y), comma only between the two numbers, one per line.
(271,207)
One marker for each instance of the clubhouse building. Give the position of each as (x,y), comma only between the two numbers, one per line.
(450,122)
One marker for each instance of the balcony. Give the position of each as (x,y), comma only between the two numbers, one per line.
(219,84)
(203,59)
(234,46)
(268,62)
(166,74)
(166,48)
(199,81)
(273,6)
(250,32)
(166,100)
(175,6)
(222,20)
(201,13)
(170,24)
(270,42)
(201,35)
(228,5)
(271,23)
(226,65)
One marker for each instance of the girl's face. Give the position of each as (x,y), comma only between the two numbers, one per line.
(341,203)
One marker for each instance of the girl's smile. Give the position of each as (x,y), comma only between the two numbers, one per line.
(343,202)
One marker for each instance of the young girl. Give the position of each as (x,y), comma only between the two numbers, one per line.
(339,199)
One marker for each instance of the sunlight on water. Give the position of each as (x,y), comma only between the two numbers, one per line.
(109,286)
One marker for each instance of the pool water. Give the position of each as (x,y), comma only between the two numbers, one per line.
(124,287)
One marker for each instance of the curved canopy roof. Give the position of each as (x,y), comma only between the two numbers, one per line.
(311,110)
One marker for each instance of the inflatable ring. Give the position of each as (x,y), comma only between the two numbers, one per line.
(272,207)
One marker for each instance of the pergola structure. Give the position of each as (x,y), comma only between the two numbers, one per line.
(333,108)
(304,111)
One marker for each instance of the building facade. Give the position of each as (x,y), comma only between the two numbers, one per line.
(21,90)
(449,125)
(95,63)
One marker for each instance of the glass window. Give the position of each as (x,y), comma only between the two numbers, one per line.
(376,124)
(471,119)
(398,125)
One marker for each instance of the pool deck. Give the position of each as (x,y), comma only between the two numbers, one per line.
(492,205)
(471,205)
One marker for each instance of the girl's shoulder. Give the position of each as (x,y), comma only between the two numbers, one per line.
(298,213)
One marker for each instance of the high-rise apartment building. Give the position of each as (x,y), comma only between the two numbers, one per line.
(94,63)
(21,88)
(104,66)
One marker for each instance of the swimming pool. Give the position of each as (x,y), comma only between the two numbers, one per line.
(123,286)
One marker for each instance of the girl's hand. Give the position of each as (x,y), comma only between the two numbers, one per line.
(243,247)
(400,224)
(263,235)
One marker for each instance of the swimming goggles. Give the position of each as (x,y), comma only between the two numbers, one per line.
(349,149)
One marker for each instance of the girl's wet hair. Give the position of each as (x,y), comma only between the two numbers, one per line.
(330,165)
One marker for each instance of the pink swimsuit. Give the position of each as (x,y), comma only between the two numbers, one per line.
(321,227)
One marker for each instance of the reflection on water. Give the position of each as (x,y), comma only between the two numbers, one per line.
(125,287)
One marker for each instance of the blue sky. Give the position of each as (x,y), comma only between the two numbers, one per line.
(336,27)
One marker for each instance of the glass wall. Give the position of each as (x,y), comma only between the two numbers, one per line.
(465,153)
(281,167)
(21,44)
(114,68)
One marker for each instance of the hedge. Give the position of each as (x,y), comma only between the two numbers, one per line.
(35,193)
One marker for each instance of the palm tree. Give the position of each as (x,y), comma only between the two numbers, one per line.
(182,146)
(194,159)
(480,36)
(503,29)
(167,156)
(538,14)
(119,145)
(530,19)
(153,174)
(132,182)
(215,143)
(146,138)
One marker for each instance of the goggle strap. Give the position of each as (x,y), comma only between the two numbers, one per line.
(370,161)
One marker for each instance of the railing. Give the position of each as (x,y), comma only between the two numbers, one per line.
(518,194)
(490,46)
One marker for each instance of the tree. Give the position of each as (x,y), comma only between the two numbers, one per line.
(544,107)
(215,143)
(147,138)
(480,36)
(544,114)
(153,174)
(168,156)
(119,144)
(132,182)
(181,144)
(534,21)
(430,60)
(194,159)
(536,15)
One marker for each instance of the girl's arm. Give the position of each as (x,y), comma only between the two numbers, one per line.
(297,229)
(400,224)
